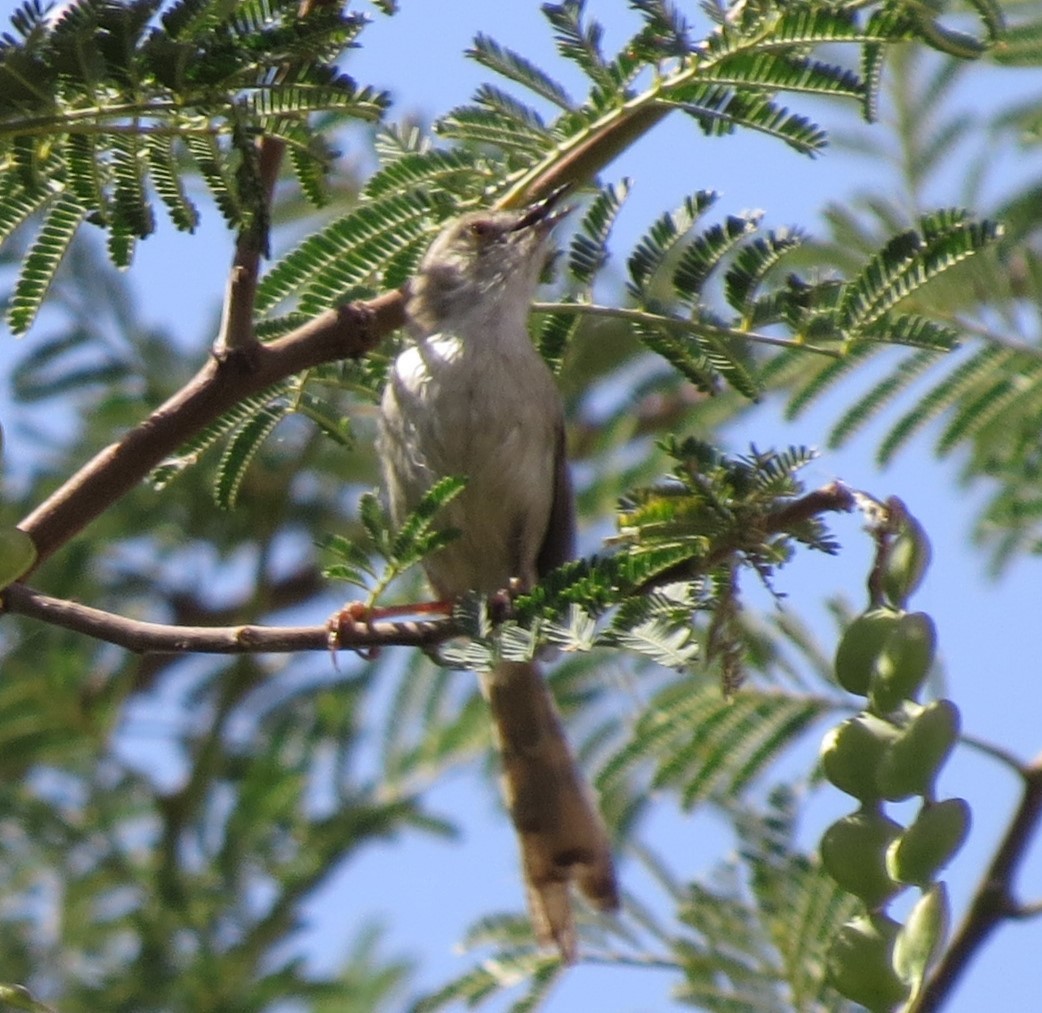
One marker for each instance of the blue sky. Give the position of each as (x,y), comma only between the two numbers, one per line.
(427,893)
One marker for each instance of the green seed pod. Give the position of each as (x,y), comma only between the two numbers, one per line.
(853,852)
(922,937)
(860,646)
(17,554)
(907,561)
(852,751)
(911,765)
(860,963)
(904,662)
(930,843)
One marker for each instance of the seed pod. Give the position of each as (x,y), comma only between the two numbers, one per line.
(911,765)
(17,554)
(922,936)
(853,852)
(904,662)
(860,646)
(860,963)
(906,562)
(930,843)
(852,751)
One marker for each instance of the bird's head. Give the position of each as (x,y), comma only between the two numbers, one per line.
(484,260)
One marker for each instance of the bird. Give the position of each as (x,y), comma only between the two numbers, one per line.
(470,396)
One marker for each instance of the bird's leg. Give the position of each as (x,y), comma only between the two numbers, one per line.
(360,613)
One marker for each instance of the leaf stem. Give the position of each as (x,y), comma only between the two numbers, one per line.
(679,323)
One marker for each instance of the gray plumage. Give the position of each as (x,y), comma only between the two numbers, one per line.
(472,397)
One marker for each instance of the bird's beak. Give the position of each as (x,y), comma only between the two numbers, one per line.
(545,212)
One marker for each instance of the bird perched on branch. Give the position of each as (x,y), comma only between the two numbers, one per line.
(471,397)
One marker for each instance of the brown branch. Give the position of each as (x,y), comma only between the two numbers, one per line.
(346,332)
(159,638)
(237,332)
(832,498)
(994,901)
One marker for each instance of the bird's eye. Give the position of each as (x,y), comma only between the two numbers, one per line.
(482,228)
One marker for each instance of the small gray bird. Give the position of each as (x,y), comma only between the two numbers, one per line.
(471,397)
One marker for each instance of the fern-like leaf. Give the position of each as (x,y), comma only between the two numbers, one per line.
(784,72)
(812,387)
(671,644)
(346,252)
(555,335)
(453,171)
(17,205)
(872,56)
(662,238)
(189,453)
(578,40)
(682,352)
(702,256)
(752,263)
(132,216)
(989,361)
(479,125)
(517,68)
(908,261)
(589,251)
(411,541)
(971,415)
(909,329)
(708,744)
(666,31)
(719,110)
(869,405)
(209,160)
(169,183)
(240,451)
(41,261)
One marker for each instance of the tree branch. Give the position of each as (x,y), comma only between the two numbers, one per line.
(994,901)
(237,331)
(160,638)
(696,327)
(346,332)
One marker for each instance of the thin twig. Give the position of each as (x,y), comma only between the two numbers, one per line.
(994,901)
(237,332)
(148,638)
(641,316)
(346,332)
(159,638)
(995,751)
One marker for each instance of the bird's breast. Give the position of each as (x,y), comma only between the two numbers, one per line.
(492,416)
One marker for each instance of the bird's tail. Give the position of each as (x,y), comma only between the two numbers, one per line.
(561,832)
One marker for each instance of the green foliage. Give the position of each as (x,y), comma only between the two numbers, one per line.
(186,880)
(704,745)
(750,935)
(401,548)
(353,255)
(102,100)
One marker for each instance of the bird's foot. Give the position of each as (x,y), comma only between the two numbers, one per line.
(343,626)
